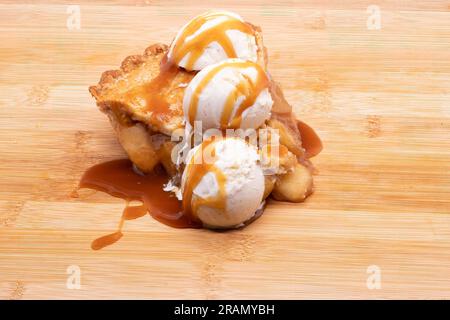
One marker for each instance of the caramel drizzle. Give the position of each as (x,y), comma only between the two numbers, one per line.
(129,213)
(217,33)
(197,168)
(154,92)
(246,87)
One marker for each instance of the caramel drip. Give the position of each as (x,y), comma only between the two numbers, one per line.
(153,93)
(217,33)
(197,168)
(129,213)
(251,92)
(118,179)
(310,140)
(107,240)
(246,87)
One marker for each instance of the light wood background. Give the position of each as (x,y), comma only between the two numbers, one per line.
(380,100)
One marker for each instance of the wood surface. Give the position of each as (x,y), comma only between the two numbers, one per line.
(380,100)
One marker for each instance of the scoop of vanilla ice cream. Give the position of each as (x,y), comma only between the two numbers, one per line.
(244,184)
(244,44)
(211,100)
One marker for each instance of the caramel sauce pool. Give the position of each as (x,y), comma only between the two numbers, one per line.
(119,179)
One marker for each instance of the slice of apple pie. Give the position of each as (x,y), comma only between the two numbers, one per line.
(215,71)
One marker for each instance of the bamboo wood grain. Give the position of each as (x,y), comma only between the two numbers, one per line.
(380,100)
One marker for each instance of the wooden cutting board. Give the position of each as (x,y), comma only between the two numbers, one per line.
(380,100)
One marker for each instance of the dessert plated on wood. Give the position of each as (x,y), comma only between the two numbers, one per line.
(207,130)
